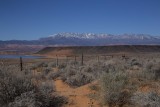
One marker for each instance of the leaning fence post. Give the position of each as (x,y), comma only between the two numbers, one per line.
(21,64)
(82,59)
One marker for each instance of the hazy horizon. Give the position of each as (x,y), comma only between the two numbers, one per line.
(31,20)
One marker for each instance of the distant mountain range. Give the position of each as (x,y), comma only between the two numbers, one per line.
(78,39)
(90,39)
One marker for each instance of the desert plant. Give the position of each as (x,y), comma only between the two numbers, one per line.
(45,98)
(94,87)
(62,65)
(150,99)
(75,76)
(39,65)
(113,85)
(26,99)
(51,64)
(153,70)
(13,84)
(18,90)
(54,75)
(135,62)
(79,79)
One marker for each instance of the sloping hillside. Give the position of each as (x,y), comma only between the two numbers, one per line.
(98,49)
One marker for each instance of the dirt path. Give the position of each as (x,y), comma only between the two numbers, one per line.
(77,96)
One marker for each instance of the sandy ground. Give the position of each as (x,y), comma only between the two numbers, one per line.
(77,97)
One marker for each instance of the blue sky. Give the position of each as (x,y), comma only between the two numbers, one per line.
(32,19)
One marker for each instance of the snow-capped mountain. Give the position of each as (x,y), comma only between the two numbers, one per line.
(100,36)
(78,39)
(79,35)
(90,39)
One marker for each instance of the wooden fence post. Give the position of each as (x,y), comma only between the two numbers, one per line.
(82,59)
(75,59)
(56,60)
(21,64)
(98,58)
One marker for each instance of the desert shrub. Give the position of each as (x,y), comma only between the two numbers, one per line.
(51,64)
(136,63)
(75,76)
(68,72)
(152,71)
(150,99)
(41,75)
(79,79)
(149,66)
(99,68)
(26,99)
(73,62)
(114,89)
(94,87)
(62,65)
(44,72)
(156,70)
(54,75)
(41,97)
(18,90)
(88,69)
(13,84)
(39,65)
(45,98)
(42,64)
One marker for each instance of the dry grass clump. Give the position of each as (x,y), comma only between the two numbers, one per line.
(18,90)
